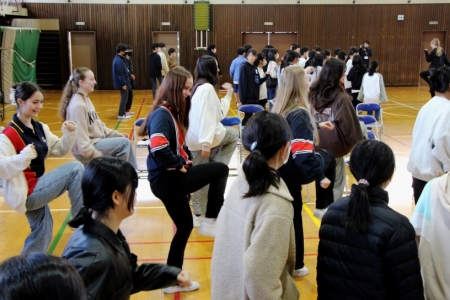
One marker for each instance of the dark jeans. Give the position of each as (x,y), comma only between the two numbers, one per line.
(418,186)
(271,93)
(355,100)
(174,187)
(424,75)
(324,198)
(154,85)
(130,100)
(123,101)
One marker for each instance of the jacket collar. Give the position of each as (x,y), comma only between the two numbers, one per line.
(376,194)
(282,190)
(107,234)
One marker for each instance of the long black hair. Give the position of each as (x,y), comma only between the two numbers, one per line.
(264,135)
(373,67)
(351,52)
(374,162)
(271,54)
(288,58)
(206,68)
(103,176)
(440,79)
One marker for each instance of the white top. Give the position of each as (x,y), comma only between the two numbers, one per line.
(372,89)
(315,75)
(430,151)
(302,62)
(204,118)
(262,87)
(348,84)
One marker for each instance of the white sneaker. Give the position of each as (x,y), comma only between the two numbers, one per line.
(130,113)
(301,272)
(197,220)
(177,288)
(208,227)
(123,117)
(318,213)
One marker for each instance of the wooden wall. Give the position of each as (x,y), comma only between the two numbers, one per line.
(396,44)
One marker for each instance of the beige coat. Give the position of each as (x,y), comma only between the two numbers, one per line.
(254,250)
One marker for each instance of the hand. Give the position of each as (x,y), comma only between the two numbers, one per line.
(184,279)
(309,70)
(227,86)
(29,151)
(326,125)
(132,77)
(325,183)
(124,88)
(206,151)
(124,135)
(70,126)
(182,170)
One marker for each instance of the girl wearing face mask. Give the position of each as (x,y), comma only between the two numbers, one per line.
(171,174)
(260,62)
(254,250)
(25,144)
(305,164)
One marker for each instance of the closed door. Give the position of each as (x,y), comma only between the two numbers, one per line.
(82,50)
(171,39)
(280,40)
(427,36)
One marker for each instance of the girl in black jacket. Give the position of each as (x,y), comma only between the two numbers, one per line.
(249,81)
(437,59)
(366,249)
(356,75)
(98,249)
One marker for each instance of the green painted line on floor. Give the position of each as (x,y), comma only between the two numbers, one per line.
(58,236)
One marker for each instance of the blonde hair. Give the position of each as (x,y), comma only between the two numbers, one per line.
(437,43)
(292,94)
(71,88)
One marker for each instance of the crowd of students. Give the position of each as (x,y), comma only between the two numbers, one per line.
(366,249)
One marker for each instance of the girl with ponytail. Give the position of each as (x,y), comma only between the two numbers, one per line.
(437,59)
(94,139)
(372,88)
(366,249)
(255,230)
(98,249)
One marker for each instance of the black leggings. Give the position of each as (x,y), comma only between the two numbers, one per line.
(324,198)
(130,100)
(424,75)
(418,186)
(174,187)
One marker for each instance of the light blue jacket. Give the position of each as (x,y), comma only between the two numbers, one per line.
(235,67)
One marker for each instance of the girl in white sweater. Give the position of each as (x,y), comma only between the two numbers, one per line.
(94,139)
(372,88)
(25,144)
(207,139)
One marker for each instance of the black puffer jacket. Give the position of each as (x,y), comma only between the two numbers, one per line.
(107,267)
(381,264)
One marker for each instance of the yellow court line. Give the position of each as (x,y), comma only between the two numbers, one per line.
(233,112)
(311,215)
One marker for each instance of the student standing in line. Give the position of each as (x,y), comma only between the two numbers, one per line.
(336,52)
(162,55)
(211,51)
(129,61)
(330,103)
(121,79)
(305,164)
(98,250)
(430,156)
(372,88)
(155,68)
(171,174)
(366,249)
(172,61)
(355,76)
(437,59)
(349,65)
(272,70)
(25,144)
(260,62)
(249,81)
(304,54)
(93,138)
(254,250)
(207,138)
(235,70)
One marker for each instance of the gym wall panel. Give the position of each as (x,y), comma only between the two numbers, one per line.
(396,44)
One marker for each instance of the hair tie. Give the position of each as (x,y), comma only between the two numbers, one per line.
(254,146)
(363,182)
(71,77)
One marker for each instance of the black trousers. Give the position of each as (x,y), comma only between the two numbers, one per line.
(324,198)
(418,186)
(130,100)
(424,75)
(355,100)
(174,187)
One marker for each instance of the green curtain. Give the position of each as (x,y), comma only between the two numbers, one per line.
(25,45)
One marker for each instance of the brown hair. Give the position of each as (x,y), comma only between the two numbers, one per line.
(71,88)
(170,94)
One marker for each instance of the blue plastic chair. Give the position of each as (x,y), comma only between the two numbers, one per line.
(138,123)
(370,120)
(242,110)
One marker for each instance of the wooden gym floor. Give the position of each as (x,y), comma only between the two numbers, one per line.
(149,231)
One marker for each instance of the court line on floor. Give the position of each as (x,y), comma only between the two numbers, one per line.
(69,215)
(197,241)
(398,103)
(196,258)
